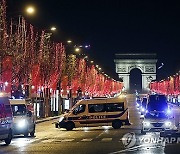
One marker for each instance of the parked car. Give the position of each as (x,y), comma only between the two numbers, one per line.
(6,120)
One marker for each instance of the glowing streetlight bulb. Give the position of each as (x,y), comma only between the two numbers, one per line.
(53,28)
(69,41)
(30,10)
(77,49)
(92,62)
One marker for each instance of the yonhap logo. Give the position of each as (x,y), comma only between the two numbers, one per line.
(129,140)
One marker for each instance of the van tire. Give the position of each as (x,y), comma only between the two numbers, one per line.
(33,132)
(56,125)
(69,126)
(116,124)
(26,134)
(8,140)
(143,132)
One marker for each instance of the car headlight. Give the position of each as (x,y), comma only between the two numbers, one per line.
(146,123)
(61,119)
(21,123)
(168,111)
(142,109)
(168,123)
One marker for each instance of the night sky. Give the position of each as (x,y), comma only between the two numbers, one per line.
(114,26)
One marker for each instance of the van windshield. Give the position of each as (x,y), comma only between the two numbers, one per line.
(19,109)
(156,115)
(157,102)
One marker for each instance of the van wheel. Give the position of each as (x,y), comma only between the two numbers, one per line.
(56,125)
(8,140)
(116,124)
(26,134)
(33,132)
(69,126)
(143,132)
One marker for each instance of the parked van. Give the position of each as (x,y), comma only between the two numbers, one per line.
(23,119)
(96,112)
(6,119)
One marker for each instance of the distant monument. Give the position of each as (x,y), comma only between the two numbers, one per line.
(145,62)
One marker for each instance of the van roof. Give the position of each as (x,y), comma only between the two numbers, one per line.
(104,100)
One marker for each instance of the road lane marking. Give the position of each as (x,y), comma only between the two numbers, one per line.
(23,140)
(67,140)
(47,141)
(86,140)
(106,139)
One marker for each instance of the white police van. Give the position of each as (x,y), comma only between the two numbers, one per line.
(6,127)
(23,119)
(96,112)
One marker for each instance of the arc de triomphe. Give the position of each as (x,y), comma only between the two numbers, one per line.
(145,62)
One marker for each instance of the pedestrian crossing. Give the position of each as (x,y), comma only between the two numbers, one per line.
(82,140)
(63,140)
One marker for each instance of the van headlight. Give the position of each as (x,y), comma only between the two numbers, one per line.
(21,123)
(146,123)
(61,119)
(168,123)
(168,111)
(142,109)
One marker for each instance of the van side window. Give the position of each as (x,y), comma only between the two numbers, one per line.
(113,107)
(79,109)
(96,108)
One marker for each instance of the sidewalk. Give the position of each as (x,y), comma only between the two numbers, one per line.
(46,119)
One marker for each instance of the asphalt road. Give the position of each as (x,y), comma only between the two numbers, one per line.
(100,140)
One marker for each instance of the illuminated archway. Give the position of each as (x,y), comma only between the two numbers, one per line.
(145,62)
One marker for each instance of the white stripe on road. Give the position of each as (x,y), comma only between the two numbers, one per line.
(23,140)
(47,141)
(67,140)
(86,140)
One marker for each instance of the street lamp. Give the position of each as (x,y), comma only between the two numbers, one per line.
(69,41)
(77,50)
(30,10)
(53,28)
